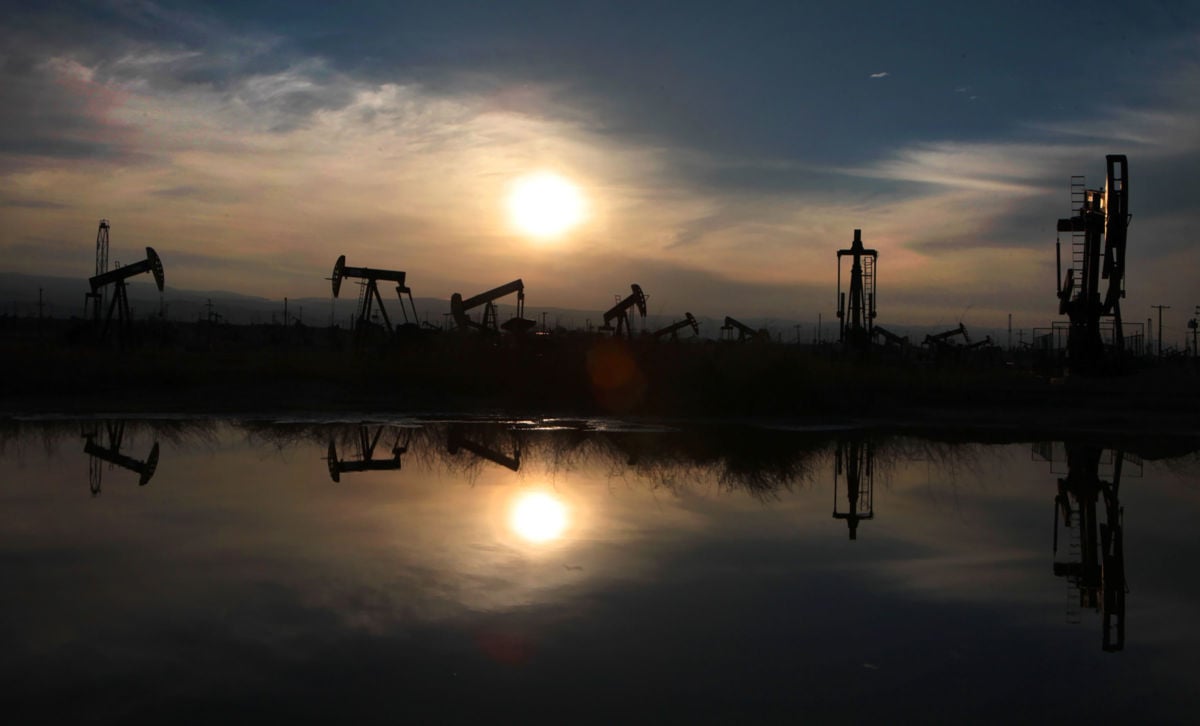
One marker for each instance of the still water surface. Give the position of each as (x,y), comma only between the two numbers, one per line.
(573,572)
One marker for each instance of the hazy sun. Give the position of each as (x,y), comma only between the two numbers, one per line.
(538,517)
(545,205)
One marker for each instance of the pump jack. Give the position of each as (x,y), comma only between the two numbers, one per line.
(856,317)
(120,301)
(890,338)
(674,328)
(620,312)
(366,455)
(942,340)
(518,324)
(746,334)
(855,458)
(456,439)
(1099,576)
(112,454)
(1101,214)
(371,293)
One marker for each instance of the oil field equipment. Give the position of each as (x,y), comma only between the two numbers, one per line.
(674,328)
(745,334)
(890,338)
(1098,235)
(98,455)
(855,458)
(856,315)
(457,439)
(95,300)
(370,293)
(119,307)
(517,324)
(945,339)
(1095,564)
(619,313)
(366,454)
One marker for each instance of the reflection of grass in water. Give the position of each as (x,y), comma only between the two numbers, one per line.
(760,462)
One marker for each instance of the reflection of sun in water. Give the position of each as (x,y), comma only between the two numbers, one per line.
(545,205)
(538,517)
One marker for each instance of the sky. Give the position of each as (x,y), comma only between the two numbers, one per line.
(723,153)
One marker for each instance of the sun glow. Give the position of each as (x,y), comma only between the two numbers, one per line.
(545,205)
(538,517)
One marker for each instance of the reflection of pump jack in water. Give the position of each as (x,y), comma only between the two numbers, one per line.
(457,439)
(856,459)
(366,454)
(1099,573)
(98,454)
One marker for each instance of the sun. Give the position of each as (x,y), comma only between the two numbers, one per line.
(545,205)
(538,517)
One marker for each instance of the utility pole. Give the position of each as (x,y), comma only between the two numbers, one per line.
(1160,308)
(1010,331)
(1194,323)
(797,333)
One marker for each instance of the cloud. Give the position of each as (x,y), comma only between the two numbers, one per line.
(880,74)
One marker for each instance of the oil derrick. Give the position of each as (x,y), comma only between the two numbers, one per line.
(95,300)
(459,309)
(370,296)
(98,455)
(856,315)
(674,328)
(1098,235)
(619,313)
(366,460)
(745,334)
(1096,568)
(855,459)
(119,307)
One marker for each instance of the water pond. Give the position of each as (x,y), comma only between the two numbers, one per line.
(591,571)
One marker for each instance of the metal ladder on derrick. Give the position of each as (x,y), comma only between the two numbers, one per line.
(1078,238)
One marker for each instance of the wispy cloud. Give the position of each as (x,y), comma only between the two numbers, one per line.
(880,74)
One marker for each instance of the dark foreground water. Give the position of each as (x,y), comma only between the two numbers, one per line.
(570,572)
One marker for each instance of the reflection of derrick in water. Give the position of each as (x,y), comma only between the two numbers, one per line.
(1096,565)
(366,454)
(98,454)
(855,458)
(457,439)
